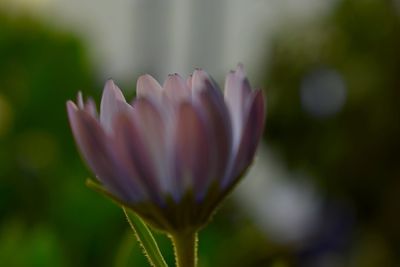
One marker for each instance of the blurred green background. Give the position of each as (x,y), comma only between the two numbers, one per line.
(333,126)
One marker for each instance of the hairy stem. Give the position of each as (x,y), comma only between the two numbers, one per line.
(185,248)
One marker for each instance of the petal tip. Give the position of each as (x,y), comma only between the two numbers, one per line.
(71,106)
(110,84)
(146,80)
(176,87)
(79,100)
(240,71)
(147,85)
(112,92)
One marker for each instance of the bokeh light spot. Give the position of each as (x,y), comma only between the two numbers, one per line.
(323,93)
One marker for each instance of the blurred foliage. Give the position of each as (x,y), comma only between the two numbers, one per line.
(354,153)
(48,217)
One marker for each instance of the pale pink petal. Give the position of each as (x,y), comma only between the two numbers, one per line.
(147,86)
(202,81)
(192,151)
(176,89)
(254,126)
(252,132)
(90,107)
(189,82)
(79,100)
(213,106)
(98,152)
(237,92)
(141,140)
(112,103)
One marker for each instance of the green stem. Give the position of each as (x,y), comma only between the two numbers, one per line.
(185,248)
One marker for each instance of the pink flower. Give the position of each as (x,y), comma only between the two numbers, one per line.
(176,150)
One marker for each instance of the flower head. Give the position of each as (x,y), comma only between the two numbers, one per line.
(175,151)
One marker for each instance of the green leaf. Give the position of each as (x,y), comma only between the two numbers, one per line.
(146,239)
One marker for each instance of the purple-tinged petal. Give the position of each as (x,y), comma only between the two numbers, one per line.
(192,151)
(199,79)
(79,100)
(90,107)
(252,133)
(207,94)
(189,82)
(176,89)
(148,87)
(253,129)
(237,91)
(98,152)
(112,103)
(217,117)
(202,81)
(141,141)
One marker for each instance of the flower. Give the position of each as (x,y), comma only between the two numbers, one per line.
(176,151)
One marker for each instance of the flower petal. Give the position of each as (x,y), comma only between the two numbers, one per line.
(90,107)
(98,152)
(79,100)
(217,117)
(147,86)
(192,151)
(112,103)
(189,82)
(252,133)
(141,142)
(237,92)
(176,89)
(207,94)
(202,81)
